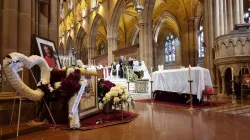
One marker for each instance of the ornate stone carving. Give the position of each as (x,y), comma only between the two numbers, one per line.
(232,50)
(101,59)
(127,52)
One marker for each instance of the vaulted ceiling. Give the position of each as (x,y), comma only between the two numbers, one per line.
(180,9)
(128,22)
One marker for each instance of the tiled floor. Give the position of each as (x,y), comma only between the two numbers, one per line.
(156,122)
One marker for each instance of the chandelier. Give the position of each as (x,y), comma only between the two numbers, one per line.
(139,5)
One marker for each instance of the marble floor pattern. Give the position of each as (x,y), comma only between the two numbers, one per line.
(156,122)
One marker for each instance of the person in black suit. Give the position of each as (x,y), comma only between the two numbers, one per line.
(121,63)
(113,66)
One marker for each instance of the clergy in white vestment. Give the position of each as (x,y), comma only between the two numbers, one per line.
(136,67)
(145,70)
(117,70)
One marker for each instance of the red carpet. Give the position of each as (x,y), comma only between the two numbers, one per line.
(205,105)
(110,119)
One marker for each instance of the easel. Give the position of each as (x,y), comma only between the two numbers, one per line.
(191,97)
(20,105)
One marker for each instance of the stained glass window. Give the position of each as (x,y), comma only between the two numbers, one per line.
(201,40)
(170,49)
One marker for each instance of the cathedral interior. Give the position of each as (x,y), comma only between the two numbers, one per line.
(176,34)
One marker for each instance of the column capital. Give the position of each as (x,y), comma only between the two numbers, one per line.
(191,19)
(144,24)
(112,38)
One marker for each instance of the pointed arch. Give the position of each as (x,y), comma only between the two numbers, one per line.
(79,41)
(161,20)
(134,35)
(98,20)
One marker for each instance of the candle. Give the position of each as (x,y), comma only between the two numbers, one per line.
(151,70)
(189,72)
(127,74)
(232,74)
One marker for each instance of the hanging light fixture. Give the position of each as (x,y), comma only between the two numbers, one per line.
(139,6)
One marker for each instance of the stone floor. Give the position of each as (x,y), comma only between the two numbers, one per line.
(156,122)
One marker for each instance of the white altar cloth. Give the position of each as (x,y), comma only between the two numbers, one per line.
(176,80)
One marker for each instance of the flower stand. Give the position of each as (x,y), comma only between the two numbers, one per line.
(58,111)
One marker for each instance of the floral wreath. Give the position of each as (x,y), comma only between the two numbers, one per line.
(14,62)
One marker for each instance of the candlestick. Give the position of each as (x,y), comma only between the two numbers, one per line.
(189,72)
(232,74)
(127,74)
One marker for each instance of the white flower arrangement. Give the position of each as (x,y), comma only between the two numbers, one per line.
(117,95)
(18,61)
(74,121)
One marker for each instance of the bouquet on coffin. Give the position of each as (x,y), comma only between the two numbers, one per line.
(56,85)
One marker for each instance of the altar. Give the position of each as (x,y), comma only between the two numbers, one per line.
(176,81)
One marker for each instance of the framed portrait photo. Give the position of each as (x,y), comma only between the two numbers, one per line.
(48,51)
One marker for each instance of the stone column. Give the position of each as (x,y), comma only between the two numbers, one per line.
(9,26)
(241,11)
(225,17)
(24,32)
(236,8)
(53,27)
(223,84)
(222,23)
(230,15)
(43,14)
(217,18)
(9,35)
(90,55)
(218,81)
(145,41)
(155,55)
(112,46)
(209,38)
(191,38)
(24,27)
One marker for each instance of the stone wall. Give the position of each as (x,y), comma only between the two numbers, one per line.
(232,51)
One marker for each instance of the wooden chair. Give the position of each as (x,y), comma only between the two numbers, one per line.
(209,93)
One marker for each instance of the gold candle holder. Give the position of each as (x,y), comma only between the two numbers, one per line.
(233,91)
(191,97)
